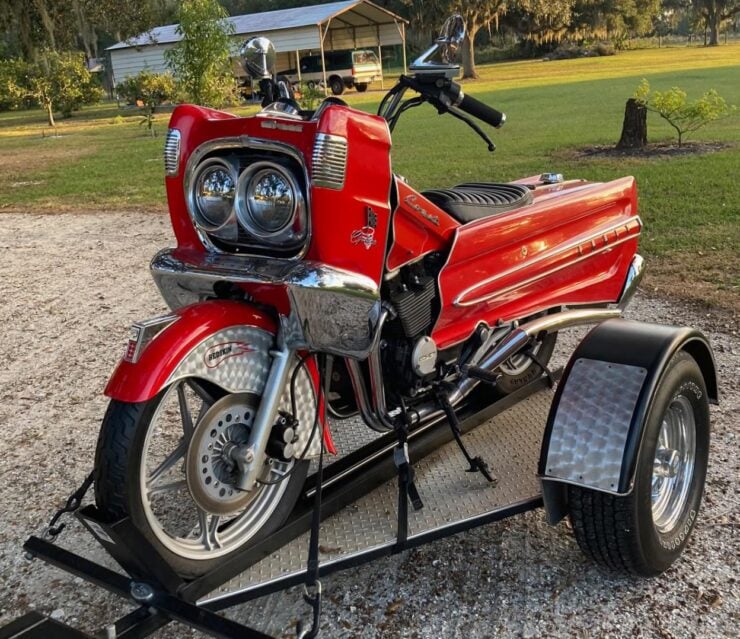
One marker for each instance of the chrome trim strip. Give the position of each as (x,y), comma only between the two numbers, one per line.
(332,310)
(635,274)
(329,165)
(461,302)
(172,152)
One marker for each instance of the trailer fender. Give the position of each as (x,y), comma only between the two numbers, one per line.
(595,427)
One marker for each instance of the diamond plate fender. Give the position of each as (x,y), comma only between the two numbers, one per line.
(596,421)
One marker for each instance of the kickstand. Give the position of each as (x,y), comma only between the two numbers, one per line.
(477,464)
(407,491)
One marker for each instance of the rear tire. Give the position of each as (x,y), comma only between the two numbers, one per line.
(361,86)
(120,454)
(520,370)
(336,85)
(644,532)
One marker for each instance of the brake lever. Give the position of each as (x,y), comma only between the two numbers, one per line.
(473,125)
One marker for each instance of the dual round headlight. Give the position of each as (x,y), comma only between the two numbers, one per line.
(265,201)
(213,196)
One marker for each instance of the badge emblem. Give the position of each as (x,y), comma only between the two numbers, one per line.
(219,353)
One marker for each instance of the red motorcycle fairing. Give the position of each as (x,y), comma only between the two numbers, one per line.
(573,245)
(350,225)
(419,228)
(141,381)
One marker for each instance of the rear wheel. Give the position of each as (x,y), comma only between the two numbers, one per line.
(336,85)
(644,532)
(361,86)
(165,463)
(521,369)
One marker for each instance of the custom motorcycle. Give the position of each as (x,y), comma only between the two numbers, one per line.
(310,285)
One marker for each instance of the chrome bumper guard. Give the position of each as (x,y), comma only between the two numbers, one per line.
(332,310)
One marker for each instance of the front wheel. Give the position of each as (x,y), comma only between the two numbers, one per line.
(165,463)
(644,532)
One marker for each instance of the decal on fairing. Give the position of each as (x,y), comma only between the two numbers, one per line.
(411,201)
(366,235)
(219,353)
(237,359)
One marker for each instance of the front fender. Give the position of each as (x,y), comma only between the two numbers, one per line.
(223,341)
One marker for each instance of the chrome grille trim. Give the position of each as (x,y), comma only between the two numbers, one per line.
(329,165)
(172,152)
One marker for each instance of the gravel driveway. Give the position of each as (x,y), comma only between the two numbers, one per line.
(72,284)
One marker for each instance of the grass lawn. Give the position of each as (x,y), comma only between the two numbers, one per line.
(690,204)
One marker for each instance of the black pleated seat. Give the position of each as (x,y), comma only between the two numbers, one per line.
(474,201)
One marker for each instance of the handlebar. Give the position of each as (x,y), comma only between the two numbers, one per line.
(474,107)
(482,111)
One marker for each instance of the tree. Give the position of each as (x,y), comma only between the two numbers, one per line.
(476,15)
(685,118)
(540,21)
(57,81)
(714,12)
(149,90)
(201,61)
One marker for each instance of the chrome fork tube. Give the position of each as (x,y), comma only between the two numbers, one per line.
(250,457)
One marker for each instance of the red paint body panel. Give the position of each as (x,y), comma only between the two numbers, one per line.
(141,381)
(415,232)
(337,214)
(572,245)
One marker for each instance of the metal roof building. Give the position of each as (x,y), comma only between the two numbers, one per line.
(319,28)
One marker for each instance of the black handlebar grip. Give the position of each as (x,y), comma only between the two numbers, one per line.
(482,111)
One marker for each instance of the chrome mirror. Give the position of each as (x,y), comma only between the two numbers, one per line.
(441,57)
(258,58)
(450,38)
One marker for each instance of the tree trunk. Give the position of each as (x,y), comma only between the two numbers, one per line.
(468,54)
(713,29)
(50,113)
(634,127)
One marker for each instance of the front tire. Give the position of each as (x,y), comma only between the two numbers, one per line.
(644,532)
(144,471)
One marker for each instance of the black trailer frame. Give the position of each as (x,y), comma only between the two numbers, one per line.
(163,596)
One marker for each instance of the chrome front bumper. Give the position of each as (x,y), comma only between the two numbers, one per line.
(332,310)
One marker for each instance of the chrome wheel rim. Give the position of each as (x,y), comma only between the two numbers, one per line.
(673,464)
(179,523)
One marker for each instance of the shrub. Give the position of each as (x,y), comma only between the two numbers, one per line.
(57,82)
(148,90)
(201,61)
(685,118)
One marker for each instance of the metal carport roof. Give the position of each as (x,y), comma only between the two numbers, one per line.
(350,13)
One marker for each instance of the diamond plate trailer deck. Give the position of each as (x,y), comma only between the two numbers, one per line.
(507,434)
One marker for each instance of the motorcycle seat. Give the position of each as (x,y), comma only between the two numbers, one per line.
(477,200)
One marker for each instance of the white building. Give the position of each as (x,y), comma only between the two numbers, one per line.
(336,26)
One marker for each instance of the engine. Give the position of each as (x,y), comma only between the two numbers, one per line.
(408,354)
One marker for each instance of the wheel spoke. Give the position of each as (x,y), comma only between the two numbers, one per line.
(162,488)
(201,392)
(208,526)
(187,420)
(167,463)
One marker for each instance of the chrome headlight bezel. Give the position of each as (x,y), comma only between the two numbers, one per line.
(241,153)
(194,206)
(293,229)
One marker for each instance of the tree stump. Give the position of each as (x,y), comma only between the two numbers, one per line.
(634,127)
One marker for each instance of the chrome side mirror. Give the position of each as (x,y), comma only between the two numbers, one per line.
(258,58)
(441,57)
(450,38)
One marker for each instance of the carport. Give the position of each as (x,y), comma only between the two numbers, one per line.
(316,29)
(352,24)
